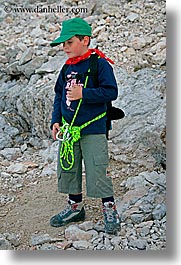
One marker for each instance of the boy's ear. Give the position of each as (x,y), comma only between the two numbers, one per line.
(86,40)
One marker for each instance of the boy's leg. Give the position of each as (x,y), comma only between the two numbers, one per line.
(95,155)
(99,185)
(75,197)
(70,182)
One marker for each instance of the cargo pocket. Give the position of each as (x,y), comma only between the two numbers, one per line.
(101,185)
(100,165)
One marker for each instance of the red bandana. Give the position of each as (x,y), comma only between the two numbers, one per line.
(77,59)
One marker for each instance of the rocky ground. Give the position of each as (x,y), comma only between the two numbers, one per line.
(29,198)
(133,34)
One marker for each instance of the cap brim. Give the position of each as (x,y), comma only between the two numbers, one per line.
(60,39)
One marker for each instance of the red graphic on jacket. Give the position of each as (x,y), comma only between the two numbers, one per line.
(72,79)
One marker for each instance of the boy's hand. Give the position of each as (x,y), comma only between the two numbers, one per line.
(74,92)
(55,129)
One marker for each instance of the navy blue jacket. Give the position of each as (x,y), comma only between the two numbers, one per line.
(94,98)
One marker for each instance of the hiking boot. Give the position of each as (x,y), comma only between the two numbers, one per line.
(73,212)
(111,218)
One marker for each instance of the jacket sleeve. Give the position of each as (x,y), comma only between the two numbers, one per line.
(107,90)
(56,113)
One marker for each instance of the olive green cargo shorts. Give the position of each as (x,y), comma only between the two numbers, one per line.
(93,149)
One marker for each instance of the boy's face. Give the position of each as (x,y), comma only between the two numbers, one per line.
(75,47)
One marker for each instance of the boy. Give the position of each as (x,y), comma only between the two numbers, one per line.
(79,122)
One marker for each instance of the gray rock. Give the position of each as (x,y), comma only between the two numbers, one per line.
(132,17)
(5,141)
(50,153)
(26,56)
(13,69)
(19,168)
(47,171)
(88,225)
(11,131)
(42,239)
(144,105)
(74,233)
(144,231)
(47,246)
(99,227)
(14,239)
(52,65)
(116,240)
(39,239)
(137,218)
(36,32)
(111,10)
(100,246)
(138,202)
(159,212)
(81,245)
(5,175)
(146,208)
(139,244)
(4,244)
(30,67)
(138,43)
(10,153)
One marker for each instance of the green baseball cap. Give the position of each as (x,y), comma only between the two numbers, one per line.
(70,28)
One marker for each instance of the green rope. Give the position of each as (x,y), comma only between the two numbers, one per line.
(71,134)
